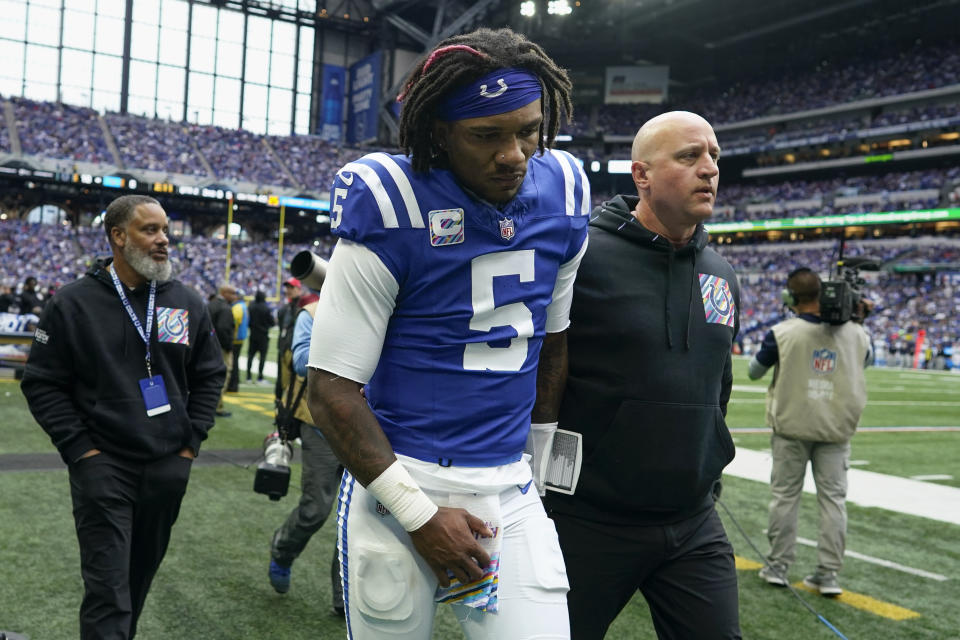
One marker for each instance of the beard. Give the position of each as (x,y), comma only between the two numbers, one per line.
(142,263)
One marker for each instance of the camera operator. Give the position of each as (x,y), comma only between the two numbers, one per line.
(320,476)
(814,403)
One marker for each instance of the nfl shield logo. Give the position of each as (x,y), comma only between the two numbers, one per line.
(506,228)
(824,360)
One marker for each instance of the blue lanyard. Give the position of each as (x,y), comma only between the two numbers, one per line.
(144,335)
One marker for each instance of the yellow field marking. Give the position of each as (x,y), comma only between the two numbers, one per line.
(855,600)
(251,395)
(746,565)
(866,603)
(250,406)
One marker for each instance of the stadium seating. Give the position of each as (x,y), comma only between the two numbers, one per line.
(923,67)
(918,297)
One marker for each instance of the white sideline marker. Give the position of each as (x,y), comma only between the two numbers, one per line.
(883,563)
(933,476)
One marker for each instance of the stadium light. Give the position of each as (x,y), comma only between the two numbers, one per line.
(559,8)
(528,8)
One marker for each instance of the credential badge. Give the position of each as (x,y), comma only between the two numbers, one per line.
(446,227)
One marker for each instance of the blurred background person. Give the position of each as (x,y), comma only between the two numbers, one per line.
(261,319)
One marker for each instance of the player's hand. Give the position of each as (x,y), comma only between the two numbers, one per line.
(448,541)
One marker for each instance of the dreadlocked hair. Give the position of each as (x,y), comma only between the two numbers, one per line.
(460,60)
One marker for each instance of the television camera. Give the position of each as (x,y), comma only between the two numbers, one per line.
(841,299)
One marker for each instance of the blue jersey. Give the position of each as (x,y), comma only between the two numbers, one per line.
(456,378)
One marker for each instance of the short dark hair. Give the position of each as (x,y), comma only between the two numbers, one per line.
(121,210)
(452,64)
(804,284)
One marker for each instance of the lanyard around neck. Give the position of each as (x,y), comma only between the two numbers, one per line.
(144,335)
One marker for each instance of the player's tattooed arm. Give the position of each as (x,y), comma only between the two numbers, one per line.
(342,414)
(551,377)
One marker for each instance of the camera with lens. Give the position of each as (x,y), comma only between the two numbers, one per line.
(273,474)
(841,300)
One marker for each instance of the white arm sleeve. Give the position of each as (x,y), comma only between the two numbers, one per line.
(558,313)
(356,301)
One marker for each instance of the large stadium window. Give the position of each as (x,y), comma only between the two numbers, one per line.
(72,50)
(144,42)
(80,33)
(11,71)
(77,72)
(14,23)
(200,100)
(40,73)
(43,25)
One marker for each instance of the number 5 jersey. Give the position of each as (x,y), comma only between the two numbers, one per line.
(439,301)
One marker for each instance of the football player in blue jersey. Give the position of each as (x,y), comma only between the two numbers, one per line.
(446,301)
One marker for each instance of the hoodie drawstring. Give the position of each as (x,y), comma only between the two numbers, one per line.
(694,281)
(666,299)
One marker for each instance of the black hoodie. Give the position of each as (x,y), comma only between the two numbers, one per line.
(650,372)
(81,378)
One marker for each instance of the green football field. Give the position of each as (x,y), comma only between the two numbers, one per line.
(902,574)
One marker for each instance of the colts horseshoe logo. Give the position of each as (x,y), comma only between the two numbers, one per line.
(498,92)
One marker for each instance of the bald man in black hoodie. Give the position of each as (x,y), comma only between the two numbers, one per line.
(654,316)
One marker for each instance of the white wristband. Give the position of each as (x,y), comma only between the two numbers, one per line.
(398,492)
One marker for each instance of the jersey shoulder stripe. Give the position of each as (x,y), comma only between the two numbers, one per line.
(576,186)
(403,185)
(386,181)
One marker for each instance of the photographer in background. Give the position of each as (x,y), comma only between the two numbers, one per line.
(814,403)
(320,475)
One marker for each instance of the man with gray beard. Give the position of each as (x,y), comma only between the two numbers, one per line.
(124,375)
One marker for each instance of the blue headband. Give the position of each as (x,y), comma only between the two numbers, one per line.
(498,92)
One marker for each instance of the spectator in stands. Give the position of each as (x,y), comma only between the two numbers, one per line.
(813,406)
(261,319)
(30,300)
(8,299)
(654,315)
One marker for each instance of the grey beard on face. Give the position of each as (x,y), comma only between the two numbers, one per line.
(142,263)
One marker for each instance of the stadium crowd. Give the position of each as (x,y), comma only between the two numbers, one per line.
(307,162)
(60,131)
(154,144)
(904,302)
(871,75)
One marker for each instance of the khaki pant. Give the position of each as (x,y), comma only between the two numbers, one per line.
(829,462)
(228,361)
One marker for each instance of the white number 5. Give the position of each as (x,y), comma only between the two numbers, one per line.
(480,356)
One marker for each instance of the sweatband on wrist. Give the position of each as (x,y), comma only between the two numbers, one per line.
(398,492)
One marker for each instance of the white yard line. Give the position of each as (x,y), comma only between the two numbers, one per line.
(939,577)
(867,488)
(891,403)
